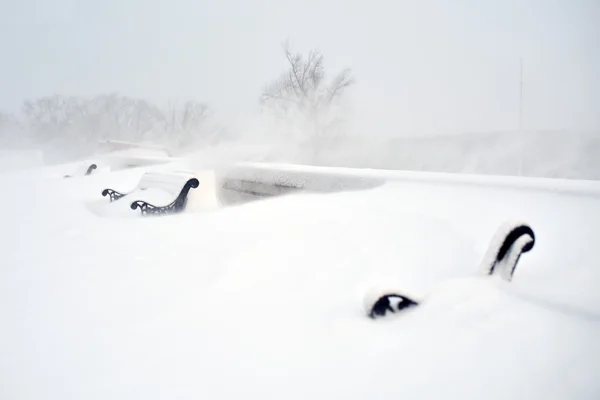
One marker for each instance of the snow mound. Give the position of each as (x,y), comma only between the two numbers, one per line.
(264,300)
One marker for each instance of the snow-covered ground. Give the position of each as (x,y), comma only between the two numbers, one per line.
(264,299)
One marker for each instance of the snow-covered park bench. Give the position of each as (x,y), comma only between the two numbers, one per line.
(88,171)
(158,193)
(251,181)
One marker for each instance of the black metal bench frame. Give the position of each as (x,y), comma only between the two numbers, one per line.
(87,172)
(174,207)
(147,208)
(114,195)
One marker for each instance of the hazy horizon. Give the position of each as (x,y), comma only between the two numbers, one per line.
(419,66)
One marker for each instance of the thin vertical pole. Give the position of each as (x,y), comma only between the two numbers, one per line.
(521,96)
(521,135)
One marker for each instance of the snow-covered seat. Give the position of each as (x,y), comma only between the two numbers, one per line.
(511,240)
(85,171)
(159,192)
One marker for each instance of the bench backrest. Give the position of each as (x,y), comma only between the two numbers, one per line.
(171,182)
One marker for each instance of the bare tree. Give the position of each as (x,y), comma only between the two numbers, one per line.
(68,122)
(303,89)
(54,111)
(187,123)
(8,123)
(123,117)
(5,119)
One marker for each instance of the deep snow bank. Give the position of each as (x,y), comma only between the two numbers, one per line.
(264,300)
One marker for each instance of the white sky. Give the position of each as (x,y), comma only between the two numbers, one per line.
(420,64)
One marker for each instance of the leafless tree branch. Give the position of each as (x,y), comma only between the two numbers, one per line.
(303,88)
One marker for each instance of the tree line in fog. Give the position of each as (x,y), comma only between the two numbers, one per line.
(301,95)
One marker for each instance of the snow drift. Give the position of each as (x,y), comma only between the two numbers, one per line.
(264,299)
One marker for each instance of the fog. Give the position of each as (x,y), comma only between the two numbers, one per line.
(422,68)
